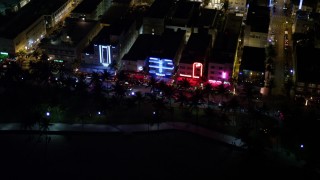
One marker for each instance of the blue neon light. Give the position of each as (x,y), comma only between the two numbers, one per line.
(160,67)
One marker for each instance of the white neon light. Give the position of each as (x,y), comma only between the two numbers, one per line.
(300,4)
(104,54)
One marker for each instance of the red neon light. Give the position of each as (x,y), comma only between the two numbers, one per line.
(197,65)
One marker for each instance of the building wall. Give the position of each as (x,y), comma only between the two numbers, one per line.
(26,39)
(152,26)
(61,13)
(14,6)
(185,70)
(7,45)
(34,33)
(134,66)
(69,52)
(126,40)
(237,5)
(255,39)
(188,30)
(219,72)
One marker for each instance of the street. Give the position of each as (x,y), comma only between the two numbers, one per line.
(279,23)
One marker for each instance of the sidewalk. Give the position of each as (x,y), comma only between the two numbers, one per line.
(59,128)
(128,128)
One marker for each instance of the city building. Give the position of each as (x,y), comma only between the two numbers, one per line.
(154,20)
(124,27)
(100,53)
(156,54)
(252,67)
(237,5)
(223,56)
(91,9)
(194,56)
(68,44)
(302,22)
(24,29)
(135,59)
(184,15)
(257,26)
(306,72)
(11,6)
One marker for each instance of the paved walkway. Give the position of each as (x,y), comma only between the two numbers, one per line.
(129,128)
(57,128)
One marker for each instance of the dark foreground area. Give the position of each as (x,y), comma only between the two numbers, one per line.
(156,155)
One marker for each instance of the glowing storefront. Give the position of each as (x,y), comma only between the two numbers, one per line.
(160,67)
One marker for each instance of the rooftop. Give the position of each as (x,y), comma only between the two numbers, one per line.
(224,47)
(207,17)
(258,18)
(308,67)
(196,48)
(75,29)
(141,47)
(160,8)
(115,13)
(162,46)
(13,25)
(87,6)
(253,59)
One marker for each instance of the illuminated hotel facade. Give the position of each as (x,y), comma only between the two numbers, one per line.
(193,59)
(160,67)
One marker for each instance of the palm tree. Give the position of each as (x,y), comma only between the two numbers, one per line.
(169,92)
(225,6)
(36,54)
(96,84)
(185,84)
(182,98)
(106,75)
(152,83)
(233,104)
(208,90)
(248,90)
(196,100)
(81,86)
(122,76)
(139,98)
(114,66)
(42,69)
(21,54)
(222,91)
(119,90)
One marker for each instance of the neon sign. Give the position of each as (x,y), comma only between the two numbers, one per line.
(104,55)
(197,70)
(160,67)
